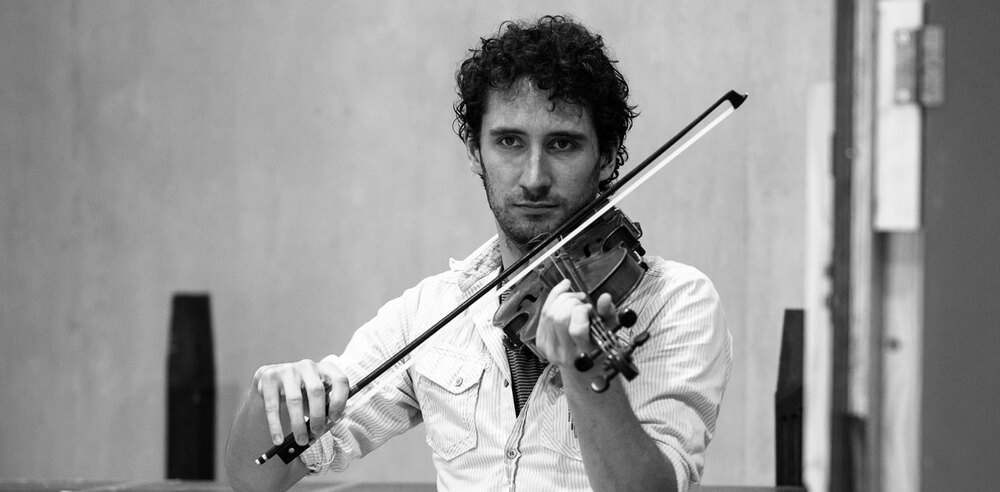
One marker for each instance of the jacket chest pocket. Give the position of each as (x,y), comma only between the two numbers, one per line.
(448,390)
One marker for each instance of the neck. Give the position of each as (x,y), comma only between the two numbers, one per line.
(512,251)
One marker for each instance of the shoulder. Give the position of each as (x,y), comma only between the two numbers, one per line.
(672,278)
(437,286)
(678,295)
(450,286)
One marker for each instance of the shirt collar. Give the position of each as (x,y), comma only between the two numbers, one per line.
(479,267)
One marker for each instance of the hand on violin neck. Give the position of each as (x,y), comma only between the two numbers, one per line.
(564,326)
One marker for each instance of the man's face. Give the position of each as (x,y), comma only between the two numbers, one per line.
(539,164)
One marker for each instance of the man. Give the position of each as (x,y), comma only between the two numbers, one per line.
(543,113)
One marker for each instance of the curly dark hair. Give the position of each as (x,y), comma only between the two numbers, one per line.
(557,54)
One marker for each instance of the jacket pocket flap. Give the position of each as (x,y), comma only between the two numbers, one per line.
(451,368)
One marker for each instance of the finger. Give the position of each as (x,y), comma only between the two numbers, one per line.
(543,339)
(559,307)
(292,386)
(543,332)
(554,316)
(606,310)
(554,293)
(315,393)
(272,408)
(578,334)
(560,312)
(339,392)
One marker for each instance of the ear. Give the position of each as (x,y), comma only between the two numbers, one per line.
(474,154)
(607,168)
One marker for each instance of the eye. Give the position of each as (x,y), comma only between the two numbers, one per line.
(563,144)
(508,141)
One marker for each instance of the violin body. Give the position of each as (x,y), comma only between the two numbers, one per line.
(605,258)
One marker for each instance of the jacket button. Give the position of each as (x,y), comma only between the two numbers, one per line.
(459,381)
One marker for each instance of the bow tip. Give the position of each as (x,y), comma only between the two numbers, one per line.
(735,98)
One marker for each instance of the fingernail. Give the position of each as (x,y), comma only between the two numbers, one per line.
(276,439)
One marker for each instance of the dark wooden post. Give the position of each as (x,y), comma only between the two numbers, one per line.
(191,390)
(788,401)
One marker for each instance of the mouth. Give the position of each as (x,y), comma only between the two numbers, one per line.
(538,206)
(536,210)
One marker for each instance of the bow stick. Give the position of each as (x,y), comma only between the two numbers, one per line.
(289,449)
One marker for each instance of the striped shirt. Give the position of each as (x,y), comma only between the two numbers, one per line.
(459,384)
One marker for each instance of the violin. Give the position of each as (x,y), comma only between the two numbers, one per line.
(550,251)
(604,258)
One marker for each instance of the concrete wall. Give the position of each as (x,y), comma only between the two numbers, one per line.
(296,161)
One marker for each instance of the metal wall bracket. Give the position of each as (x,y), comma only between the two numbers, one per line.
(919,75)
(899,108)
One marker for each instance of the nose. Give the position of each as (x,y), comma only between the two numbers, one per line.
(535,178)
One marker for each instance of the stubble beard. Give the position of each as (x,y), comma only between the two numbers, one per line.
(521,234)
